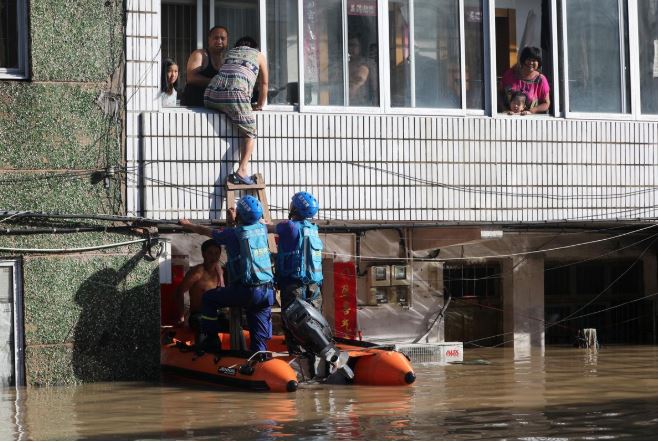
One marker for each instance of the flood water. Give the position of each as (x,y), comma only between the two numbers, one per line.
(564,393)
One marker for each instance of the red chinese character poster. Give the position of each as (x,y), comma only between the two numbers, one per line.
(171,309)
(345,299)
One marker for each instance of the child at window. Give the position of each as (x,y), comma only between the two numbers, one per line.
(169,82)
(526,76)
(518,104)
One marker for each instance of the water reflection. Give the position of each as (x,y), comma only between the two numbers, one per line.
(566,393)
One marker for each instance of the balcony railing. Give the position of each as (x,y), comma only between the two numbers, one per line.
(404,168)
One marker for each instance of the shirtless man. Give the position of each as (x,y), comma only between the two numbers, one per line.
(203,65)
(202,277)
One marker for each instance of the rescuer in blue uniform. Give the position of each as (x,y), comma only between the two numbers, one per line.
(299,258)
(250,275)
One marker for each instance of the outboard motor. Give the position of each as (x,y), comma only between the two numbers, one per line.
(312,331)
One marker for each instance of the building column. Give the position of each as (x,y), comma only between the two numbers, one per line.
(523,303)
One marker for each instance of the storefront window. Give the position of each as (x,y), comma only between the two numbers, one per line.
(648,46)
(597,43)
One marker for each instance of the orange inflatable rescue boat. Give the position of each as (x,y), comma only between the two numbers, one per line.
(271,370)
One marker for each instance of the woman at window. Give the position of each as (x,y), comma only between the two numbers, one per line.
(526,77)
(230,92)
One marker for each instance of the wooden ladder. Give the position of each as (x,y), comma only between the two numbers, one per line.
(257,190)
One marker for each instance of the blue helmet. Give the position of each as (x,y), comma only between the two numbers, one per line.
(249,210)
(305,204)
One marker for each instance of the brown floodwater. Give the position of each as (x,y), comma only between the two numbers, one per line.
(563,393)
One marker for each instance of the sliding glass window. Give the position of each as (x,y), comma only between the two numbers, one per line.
(648,46)
(427,69)
(282,52)
(341,53)
(598,77)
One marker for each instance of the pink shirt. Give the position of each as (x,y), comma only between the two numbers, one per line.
(536,90)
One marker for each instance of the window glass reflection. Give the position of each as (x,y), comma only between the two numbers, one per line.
(598,67)
(430,75)
(648,32)
(282,52)
(362,50)
(323,53)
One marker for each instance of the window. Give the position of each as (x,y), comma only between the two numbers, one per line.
(323,53)
(474,54)
(422,54)
(241,19)
(430,75)
(341,69)
(184,29)
(597,56)
(13,39)
(523,31)
(472,280)
(179,32)
(648,45)
(283,52)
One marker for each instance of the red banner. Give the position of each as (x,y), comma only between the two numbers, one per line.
(171,309)
(345,300)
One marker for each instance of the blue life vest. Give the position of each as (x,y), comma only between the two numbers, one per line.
(304,263)
(253,265)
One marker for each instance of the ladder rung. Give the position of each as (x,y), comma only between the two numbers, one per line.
(260,184)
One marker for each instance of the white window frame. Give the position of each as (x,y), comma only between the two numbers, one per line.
(559,86)
(382,32)
(262,16)
(633,77)
(634,37)
(18,320)
(21,72)
(490,45)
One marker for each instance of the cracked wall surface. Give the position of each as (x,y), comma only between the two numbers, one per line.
(88,316)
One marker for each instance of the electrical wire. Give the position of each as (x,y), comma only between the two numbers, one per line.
(628,269)
(471,189)
(74,249)
(466,189)
(569,264)
(506,255)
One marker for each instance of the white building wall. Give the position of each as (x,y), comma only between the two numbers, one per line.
(382,167)
(403,168)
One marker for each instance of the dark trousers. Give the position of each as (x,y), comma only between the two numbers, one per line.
(257,301)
